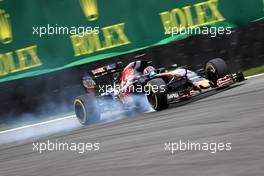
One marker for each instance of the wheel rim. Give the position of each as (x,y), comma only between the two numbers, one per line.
(213,75)
(80,111)
(153,101)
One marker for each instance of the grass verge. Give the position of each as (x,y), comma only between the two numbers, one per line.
(254,71)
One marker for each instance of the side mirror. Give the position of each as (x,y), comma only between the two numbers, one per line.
(201,70)
(161,70)
(149,62)
(174,66)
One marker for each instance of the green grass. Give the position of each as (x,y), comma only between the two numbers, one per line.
(254,71)
(4,127)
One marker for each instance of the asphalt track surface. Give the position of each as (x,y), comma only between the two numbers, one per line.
(135,146)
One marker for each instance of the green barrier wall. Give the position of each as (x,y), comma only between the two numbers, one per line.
(124,26)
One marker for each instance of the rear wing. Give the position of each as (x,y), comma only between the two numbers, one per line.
(116,67)
(107,70)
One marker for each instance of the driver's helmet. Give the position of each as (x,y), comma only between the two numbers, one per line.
(150,70)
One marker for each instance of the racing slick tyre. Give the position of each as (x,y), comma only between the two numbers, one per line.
(86,109)
(157,95)
(216,68)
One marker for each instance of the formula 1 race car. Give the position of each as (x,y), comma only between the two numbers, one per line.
(157,87)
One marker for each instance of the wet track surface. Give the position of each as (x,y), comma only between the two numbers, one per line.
(135,146)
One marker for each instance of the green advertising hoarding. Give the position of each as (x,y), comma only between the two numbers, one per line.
(41,36)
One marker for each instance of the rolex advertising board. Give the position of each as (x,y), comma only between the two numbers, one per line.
(39,37)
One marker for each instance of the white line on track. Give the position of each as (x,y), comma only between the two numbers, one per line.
(71,116)
(37,124)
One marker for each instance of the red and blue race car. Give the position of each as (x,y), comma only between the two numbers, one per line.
(157,88)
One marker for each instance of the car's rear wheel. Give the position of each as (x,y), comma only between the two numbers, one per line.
(86,109)
(216,68)
(157,94)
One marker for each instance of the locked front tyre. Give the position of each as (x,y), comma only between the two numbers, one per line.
(86,109)
(216,68)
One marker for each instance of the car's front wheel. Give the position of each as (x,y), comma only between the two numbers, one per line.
(216,68)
